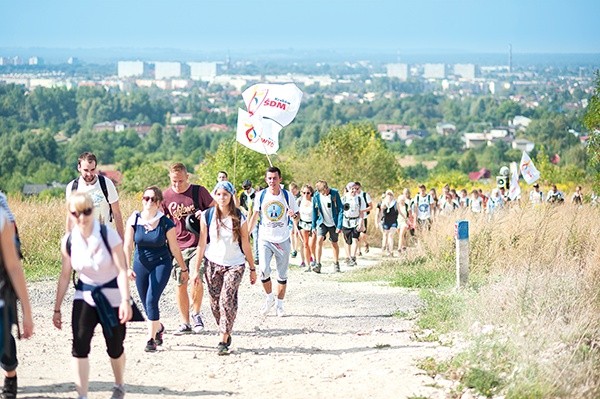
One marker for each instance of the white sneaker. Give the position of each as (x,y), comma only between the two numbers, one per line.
(279,311)
(269,303)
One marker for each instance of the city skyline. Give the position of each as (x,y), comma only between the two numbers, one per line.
(396,27)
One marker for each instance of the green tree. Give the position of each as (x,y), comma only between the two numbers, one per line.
(144,175)
(591,121)
(469,162)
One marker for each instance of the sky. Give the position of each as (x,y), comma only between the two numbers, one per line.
(403,26)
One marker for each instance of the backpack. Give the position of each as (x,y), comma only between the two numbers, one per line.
(104,189)
(103,234)
(8,311)
(208,216)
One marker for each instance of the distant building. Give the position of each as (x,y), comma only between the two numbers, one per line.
(204,71)
(178,118)
(445,128)
(35,61)
(400,71)
(16,60)
(434,71)
(520,122)
(466,71)
(72,61)
(523,145)
(392,132)
(215,128)
(114,126)
(128,69)
(4,61)
(166,70)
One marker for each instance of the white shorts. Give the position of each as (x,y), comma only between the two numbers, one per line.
(281,252)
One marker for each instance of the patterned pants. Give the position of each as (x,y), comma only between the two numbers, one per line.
(223,283)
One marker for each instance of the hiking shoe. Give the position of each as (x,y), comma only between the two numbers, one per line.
(336,267)
(317,268)
(222,349)
(184,328)
(118,392)
(158,338)
(9,391)
(279,310)
(294,253)
(150,345)
(198,324)
(269,303)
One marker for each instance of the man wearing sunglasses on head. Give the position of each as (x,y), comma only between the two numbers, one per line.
(100,188)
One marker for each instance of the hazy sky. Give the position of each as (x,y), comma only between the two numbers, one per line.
(419,26)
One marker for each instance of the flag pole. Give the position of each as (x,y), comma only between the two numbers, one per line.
(235,164)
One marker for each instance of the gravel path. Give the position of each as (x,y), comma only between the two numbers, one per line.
(337,340)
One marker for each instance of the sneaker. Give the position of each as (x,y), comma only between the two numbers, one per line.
(352,261)
(348,261)
(317,268)
(150,346)
(336,267)
(118,392)
(158,338)
(302,265)
(198,323)
(294,253)
(269,303)
(184,328)
(308,269)
(9,391)
(366,248)
(279,311)
(222,349)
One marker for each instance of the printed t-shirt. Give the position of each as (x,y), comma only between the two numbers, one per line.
(178,205)
(274,219)
(101,208)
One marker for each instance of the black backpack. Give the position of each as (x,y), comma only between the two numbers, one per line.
(104,189)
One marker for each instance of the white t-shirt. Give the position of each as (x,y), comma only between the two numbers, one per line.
(306,210)
(224,250)
(326,210)
(101,208)
(274,219)
(423,206)
(3,218)
(94,262)
(352,215)
(477,205)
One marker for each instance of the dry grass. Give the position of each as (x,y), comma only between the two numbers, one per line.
(538,275)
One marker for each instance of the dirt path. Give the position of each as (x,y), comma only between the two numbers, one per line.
(338,339)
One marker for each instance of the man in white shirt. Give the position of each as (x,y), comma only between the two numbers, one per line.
(100,188)
(275,206)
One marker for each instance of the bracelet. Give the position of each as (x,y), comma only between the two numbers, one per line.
(185,271)
(252,269)
(57,311)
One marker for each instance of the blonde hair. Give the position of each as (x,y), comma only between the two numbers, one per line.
(79,201)
(178,167)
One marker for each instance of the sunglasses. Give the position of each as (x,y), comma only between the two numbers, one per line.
(86,212)
(306,192)
(146,198)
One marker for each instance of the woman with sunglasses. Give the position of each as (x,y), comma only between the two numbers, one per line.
(155,240)
(224,245)
(304,223)
(101,293)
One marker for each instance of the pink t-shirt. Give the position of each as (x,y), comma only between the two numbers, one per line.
(178,205)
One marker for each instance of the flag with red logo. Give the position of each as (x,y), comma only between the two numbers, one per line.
(257,133)
(528,170)
(279,102)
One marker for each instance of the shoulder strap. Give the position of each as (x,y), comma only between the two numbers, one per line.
(104,189)
(103,234)
(208,215)
(196,196)
(75,184)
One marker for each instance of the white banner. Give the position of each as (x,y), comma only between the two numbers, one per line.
(528,171)
(514,190)
(257,133)
(274,101)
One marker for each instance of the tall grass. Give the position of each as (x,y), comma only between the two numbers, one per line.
(532,308)
(41,224)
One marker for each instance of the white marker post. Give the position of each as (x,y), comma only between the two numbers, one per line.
(461,233)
